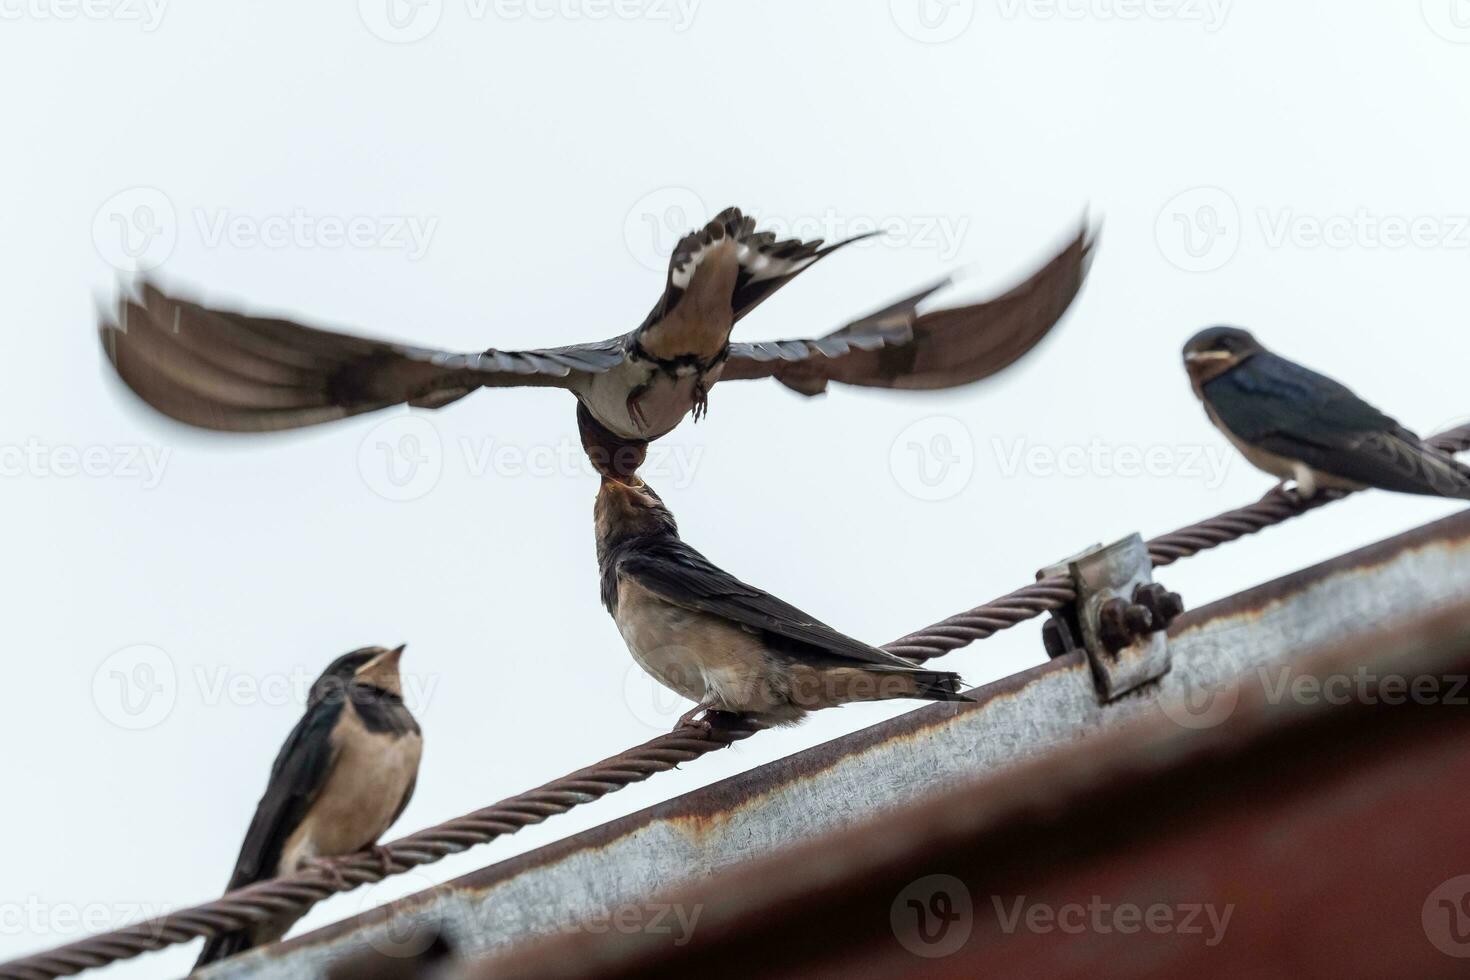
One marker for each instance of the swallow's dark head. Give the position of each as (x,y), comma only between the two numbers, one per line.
(375,668)
(628,510)
(1212,352)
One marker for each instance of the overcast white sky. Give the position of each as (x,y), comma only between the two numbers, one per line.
(517,174)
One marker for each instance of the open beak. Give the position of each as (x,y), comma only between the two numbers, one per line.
(1207,356)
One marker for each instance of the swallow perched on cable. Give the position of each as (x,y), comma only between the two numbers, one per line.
(345,774)
(1298,425)
(228,371)
(725,645)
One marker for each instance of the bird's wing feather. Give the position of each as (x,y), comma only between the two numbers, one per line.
(766,263)
(1296,413)
(228,371)
(680,575)
(297,777)
(897,347)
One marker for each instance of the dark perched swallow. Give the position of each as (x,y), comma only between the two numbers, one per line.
(1300,426)
(345,774)
(726,645)
(227,371)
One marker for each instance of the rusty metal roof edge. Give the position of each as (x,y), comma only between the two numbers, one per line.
(1044,788)
(716,797)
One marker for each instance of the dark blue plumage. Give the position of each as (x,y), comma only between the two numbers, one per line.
(1297,424)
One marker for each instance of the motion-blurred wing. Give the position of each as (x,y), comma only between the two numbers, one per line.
(897,347)
(228,371)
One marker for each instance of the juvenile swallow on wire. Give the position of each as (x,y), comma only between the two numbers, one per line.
(228,371)
(1307,429)
(343,777)
(728,646)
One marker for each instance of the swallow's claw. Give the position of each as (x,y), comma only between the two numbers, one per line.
(696,717)
(330,870)
(385,859)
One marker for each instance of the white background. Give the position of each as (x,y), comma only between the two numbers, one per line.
(539,148)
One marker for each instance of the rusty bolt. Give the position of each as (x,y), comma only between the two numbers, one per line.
(1163,604)
(1052,638)
(1112,624)
(1120,622)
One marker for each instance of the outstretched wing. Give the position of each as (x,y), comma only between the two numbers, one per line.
(897,347)
(680,575)
(1298,414)
(297,777)
(227,371)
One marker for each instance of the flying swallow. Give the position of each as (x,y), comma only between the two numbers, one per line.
(725,645)
(345,774)
(1298,425)
(228,371)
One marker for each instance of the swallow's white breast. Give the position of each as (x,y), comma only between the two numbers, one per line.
(663,405)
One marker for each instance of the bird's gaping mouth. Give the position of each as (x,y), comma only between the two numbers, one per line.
(1207,356)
